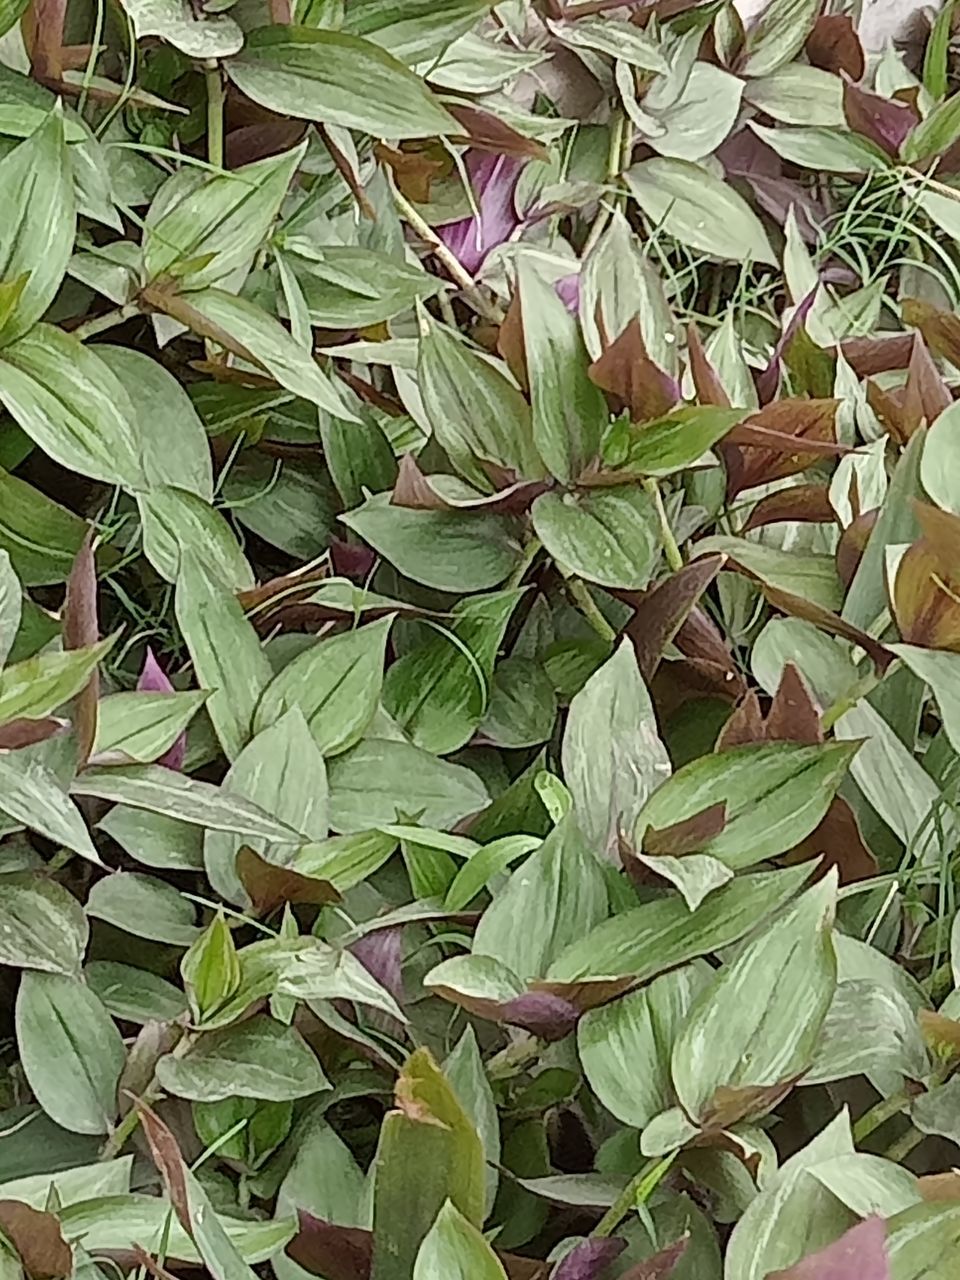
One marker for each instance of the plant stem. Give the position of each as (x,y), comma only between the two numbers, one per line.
(211,74)
(900,1149)
(588,607)
(624,1201)
(99,324)
(530,553)
(454,266)
(130,1122)
(879,1114)
(670,548)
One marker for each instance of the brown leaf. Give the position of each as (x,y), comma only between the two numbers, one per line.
(925,395)
(412,488)
(853,543)
(926,604)
(784,438)
(36,1236)
(808,503)
(936,1187)
(940,329)
(43,36)
(838,843)
(869,356)
(414,170)
(700,640)
(25,733)
(833,45)
(688,835)
(793,714)
(334,1252)
(258,141)
(661,610)
(270,886)
(890,411)
(511,344)
(708,386)
(635,382)
(941,531)
(941,1033)
(731,1104)
(81,630)
(487,132)
(661,1265)
(170,1163)
(881,120)
(745,725)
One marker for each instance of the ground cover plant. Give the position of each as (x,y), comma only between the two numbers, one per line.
(479,642)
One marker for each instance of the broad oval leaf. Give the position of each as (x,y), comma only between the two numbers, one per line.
(259,1058)
(42,925)
(454,1249)
(607,536)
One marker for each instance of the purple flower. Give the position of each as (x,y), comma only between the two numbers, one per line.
(494,181)
(153,679)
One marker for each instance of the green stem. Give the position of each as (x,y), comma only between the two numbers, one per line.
(588,607)
(215,96)
(900,1149)
(99,324)
(879,1114)
(624,1201)
(670,547)
(530,553)
(130,1122)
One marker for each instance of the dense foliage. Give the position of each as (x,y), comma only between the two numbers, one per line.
(479,642)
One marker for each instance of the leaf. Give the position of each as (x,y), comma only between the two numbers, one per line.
(71,1052)
(438,692)
(430,1131)
(347,287)
(322,972)
(676,441)
(808,576)
(225,649)
(829,150)
(255,336)
(568,411)
(70,404)
(756,1027)
(134,995)
(799,94)
(144,906)
(625,1046)
(660,935)
(198,35)
(144,726)
(414,31)
(488,989)
(31,794)
(258,1058)
(777,35)
(446,550)
(324,75)
(922,1240)
(42,926)
(613,757)
(153,839)
(941,453)
(454,1249)
(859,1254)
(607,536)
(41,538)
(335,684)
(547,903)
(941,671)
(699,209)
(935,134)
(39,222)
(35,687)
(344,861)
(282,771)
(162,791)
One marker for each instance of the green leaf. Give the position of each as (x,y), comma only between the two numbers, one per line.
(869,1028)
(808,575)
(775,37)
(358,456)
(702,116)
(522,708)
(476,412)
(11,605)
(625,1046)
(483,865)
(454,1249)
(335,684)
(326,76)
(282,771)
(934,135)
(615,37)
(438,692)
(569,411)
(245,329)
(38,222)
(176,451)
(42,925)
(380,781)
(71,1052)
(211,969)
(941,457)
(150,786)
(936,55)
(348,287)
(11,11)
(226,652)
(413,30)
(145,907)
(677,441)
(547,904)
(613,757)
(41,538)
(31,794)
(36,686)
(689,202)
(663,934)
(799,94)
(430,1132)
(345,861)
(446,550)
(70,404)
(143,726)
(607,536)
(154,839)
(175,521)
(774,794)
(923,1241)
(70,1186)
(939,669)
(198,35)
(219,219)
(258,1058)
(321,972)
(134,995)
(465,1070)
(757,1025)
(829,150)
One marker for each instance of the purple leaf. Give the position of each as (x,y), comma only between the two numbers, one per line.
(541,1013)
(568,291)
(588,1260)
(153,679)
(381,954)
(494,181)
(861,1254)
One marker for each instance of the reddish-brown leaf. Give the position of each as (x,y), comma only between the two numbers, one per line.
(784,438)
(700,640)
(837,842)
(334,1252)
(793,714)
(510,342)
(661,610)
(170,1164)
(635,382)
(43,36)
(708,386)
(940,1186)
(926,604)
(925,395)
(731,1104)
(661,1265)
(258,141)
(81,630)
(412,489)
(853,543)
(25,733)
(37,1238)
(890,410)
(809,503)
(487,132)
(869,356)
(941,532)
(940,329)
(745,725)
(688,835)
(860,1254)
(833,45)
(881,120)
(414,170)
(270,886)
